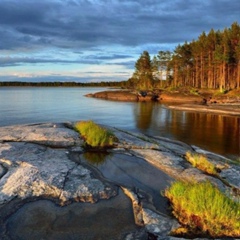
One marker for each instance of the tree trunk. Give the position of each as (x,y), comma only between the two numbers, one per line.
(175,75)
(202,71)
(238,74)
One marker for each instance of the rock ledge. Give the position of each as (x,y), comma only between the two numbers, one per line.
(35,162)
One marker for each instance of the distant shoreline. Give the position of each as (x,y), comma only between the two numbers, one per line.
(51,86)
(61,84)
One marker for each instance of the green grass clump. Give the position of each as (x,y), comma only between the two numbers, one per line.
(94,135)
(201,162)
(204,210)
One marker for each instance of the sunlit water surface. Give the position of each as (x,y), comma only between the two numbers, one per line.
(220,134)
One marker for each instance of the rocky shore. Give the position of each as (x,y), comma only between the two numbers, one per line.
(50,188)
(200,101)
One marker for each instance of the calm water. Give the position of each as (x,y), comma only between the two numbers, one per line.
(215,133)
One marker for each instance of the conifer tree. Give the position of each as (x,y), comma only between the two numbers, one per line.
(211,61)
(143,74)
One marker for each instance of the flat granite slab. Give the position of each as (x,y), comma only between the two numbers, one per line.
(44,166)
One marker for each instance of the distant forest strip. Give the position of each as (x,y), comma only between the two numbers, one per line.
(212,61)
(62,84)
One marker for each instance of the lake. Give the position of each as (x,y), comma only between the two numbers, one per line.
(216,133)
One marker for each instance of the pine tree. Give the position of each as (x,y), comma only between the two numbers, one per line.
(211,61)
(143,74)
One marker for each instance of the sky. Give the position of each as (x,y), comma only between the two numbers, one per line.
(98,40)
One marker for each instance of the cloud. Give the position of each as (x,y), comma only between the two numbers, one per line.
(9,61)
(99,32)
(89,59)
(16,61)
(85,24)
(109,56)
(89,77)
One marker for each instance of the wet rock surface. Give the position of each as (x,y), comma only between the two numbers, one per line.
(44,167)
(43,219)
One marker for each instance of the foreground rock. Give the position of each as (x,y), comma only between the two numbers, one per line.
(38,169)
(47,161)
(43,219)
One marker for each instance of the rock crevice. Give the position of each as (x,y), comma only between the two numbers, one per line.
(36,162)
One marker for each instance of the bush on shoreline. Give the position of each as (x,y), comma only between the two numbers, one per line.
(94,135)
(204,210)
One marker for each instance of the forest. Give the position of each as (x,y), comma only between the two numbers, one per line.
(212,61)
(62,84)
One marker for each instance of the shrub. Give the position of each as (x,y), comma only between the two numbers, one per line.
(202,208)
(201,162)
(94,135)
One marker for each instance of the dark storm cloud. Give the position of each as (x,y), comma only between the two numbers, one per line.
(83,24)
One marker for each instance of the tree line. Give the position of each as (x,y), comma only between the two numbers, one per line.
(212,61)
(62,84)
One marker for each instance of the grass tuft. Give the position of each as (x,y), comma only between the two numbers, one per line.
(201,162)
(94,135)
(204,210)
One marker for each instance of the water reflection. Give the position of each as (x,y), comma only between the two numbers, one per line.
(143,114)
(220,134)
(130,171)
(217,133)
(43,219)
(96,158)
